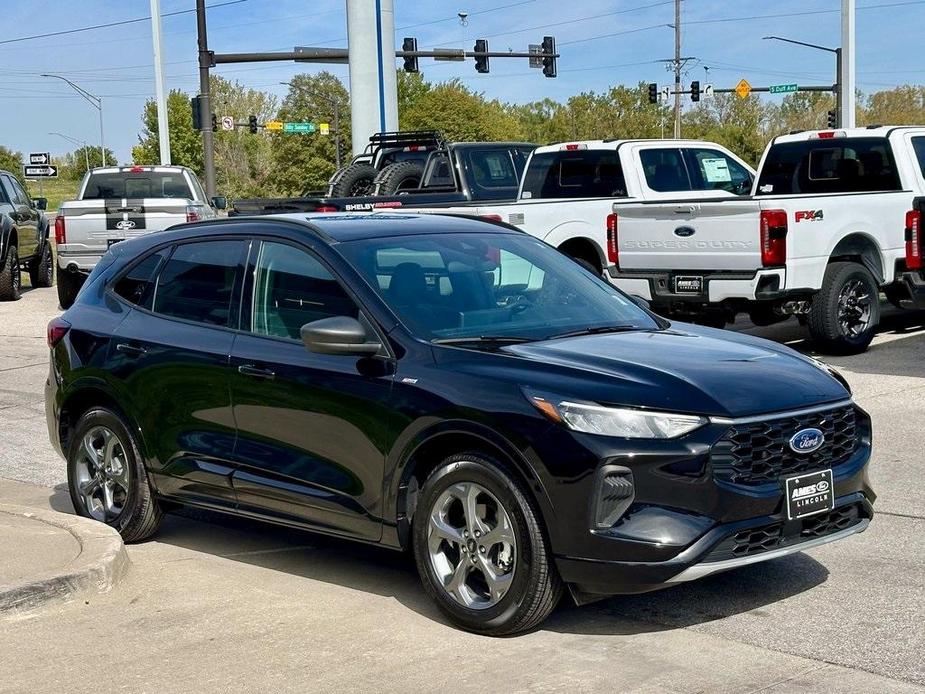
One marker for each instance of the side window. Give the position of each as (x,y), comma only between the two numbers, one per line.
(713,170)
(438,173)
(11,191)
(137,285)
(198,282)
(918,146)
(492,169)
(292,288)
(664,170)
(21,194)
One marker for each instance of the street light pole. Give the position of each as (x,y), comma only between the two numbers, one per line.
(76,141)
(96,101)
(335,105)
(838,69)
(163,128)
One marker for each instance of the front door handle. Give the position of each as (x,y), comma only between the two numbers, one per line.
(254,372)
(131,350)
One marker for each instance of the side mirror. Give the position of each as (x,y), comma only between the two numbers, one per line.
(338,335)
(219,202)
(640,302)
(40,203)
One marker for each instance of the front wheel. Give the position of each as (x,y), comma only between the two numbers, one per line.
(480,549)
(10,276)
(106,476)
(844,314)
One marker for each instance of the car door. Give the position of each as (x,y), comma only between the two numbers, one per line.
(171,356)
(311,427)
(25,216)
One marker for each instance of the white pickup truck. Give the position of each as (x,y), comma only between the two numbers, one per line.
(568,189)
(118,203)
(820,235)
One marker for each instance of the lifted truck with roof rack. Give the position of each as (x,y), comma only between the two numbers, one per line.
(819,237)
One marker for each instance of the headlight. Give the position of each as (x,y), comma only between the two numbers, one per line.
(615,421)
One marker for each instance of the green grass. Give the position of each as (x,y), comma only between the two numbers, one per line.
(57,190)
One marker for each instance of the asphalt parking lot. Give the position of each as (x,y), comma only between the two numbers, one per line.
(216,604)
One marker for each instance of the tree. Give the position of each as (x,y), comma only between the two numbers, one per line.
(741,125)
(305,162)
(460,114)
(411,87)
(185,142)
(74,164)
(903,105)
(801,111)
(11,161)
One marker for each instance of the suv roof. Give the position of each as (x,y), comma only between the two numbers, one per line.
(348,226)
(872,131)
(615,144)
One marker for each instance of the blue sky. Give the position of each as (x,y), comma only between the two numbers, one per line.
(602,42)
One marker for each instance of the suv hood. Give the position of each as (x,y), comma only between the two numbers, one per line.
(685,368)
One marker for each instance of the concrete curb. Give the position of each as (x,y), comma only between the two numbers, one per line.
(100,565)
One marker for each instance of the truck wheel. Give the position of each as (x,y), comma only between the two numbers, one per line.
(480,549)
(69,283)
(844,314)
(398,178)
(353,181)
(42,269)
(10,276)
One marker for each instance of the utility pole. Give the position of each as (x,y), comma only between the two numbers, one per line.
(677,69)
(163,129)
(846,72)
(205,100)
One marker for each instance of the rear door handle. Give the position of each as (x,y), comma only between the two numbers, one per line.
(254,372)
(130,350)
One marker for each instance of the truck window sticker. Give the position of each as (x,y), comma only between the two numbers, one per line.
(716,170)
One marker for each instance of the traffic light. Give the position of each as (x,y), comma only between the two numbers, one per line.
(411,61)
(695,90)
(252,123)
(653,93)
(197,119)
(832,119)
(214,122)
(549,62)
(481,61)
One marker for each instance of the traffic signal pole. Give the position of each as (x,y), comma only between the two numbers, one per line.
(205,100)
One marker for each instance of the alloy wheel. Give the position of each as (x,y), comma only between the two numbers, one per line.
(471,545)
(854,308)
(15,272)
(102,474)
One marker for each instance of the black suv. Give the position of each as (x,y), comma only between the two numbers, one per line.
(24,241)
(449,385)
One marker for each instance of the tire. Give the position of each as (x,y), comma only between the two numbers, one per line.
(398,178)
(42,269)
(103,454)
(354,180)
(533,588)
(837,325)
(10,276)
(69,284)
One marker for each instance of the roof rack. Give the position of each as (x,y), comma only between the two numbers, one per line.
(407,138)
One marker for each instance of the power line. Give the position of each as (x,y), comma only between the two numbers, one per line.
(583,19)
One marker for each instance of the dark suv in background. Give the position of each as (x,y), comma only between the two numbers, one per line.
(447,385)
(24,241)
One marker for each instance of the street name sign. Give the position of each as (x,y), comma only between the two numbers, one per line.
(299,127)
(40,171)
(39,158)
(782,88)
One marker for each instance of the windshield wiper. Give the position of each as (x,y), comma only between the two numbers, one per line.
(483,339)
(597,330)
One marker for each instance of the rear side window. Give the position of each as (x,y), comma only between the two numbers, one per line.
(664,170)
(918,146)
(137,285)
(574,174)
(492,168)
(438,173)
(710,169)
(836,165)
(199,281)
(146,184)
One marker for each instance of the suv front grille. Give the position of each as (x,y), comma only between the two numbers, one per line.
(759,452)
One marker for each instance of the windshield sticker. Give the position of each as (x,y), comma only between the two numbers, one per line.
(716,170)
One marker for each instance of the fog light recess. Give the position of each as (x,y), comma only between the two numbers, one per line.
(615,494)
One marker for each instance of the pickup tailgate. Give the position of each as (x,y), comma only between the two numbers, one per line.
(721,235)
(94,225)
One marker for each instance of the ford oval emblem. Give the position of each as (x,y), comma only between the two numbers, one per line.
(125,224)
(684,232)
(807,440)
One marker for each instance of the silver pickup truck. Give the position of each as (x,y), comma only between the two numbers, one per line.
(118,203)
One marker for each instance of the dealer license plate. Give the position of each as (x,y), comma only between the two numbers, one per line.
(688,284)
(809,494)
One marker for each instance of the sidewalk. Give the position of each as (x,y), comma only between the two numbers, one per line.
(49,555)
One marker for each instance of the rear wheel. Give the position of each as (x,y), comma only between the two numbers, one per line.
(42,268)
(398,178)
(69,283)
(480,550)
(353,180)
(10,276)
(845,312)
(107,479)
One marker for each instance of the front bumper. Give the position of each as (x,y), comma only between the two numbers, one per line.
(657,286)
(915,284)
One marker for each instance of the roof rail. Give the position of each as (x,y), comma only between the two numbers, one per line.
(422,138)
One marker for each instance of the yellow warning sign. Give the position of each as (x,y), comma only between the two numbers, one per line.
(324,128)
(273,125)
(743,89)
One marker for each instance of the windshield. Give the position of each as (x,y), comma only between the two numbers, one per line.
(499,285)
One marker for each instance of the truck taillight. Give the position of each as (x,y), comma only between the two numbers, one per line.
(914,240)
(325,208)
(193,214)
(492,217)
(57,329)
(60,233)
(773,237)
(613,246)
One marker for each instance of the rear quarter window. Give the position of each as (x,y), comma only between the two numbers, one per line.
(836,165)
(574,174)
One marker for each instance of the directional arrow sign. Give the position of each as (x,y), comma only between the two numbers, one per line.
(743,89)
(782,88)
(39,158)
(40,171)
(227,123)
(299,127)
